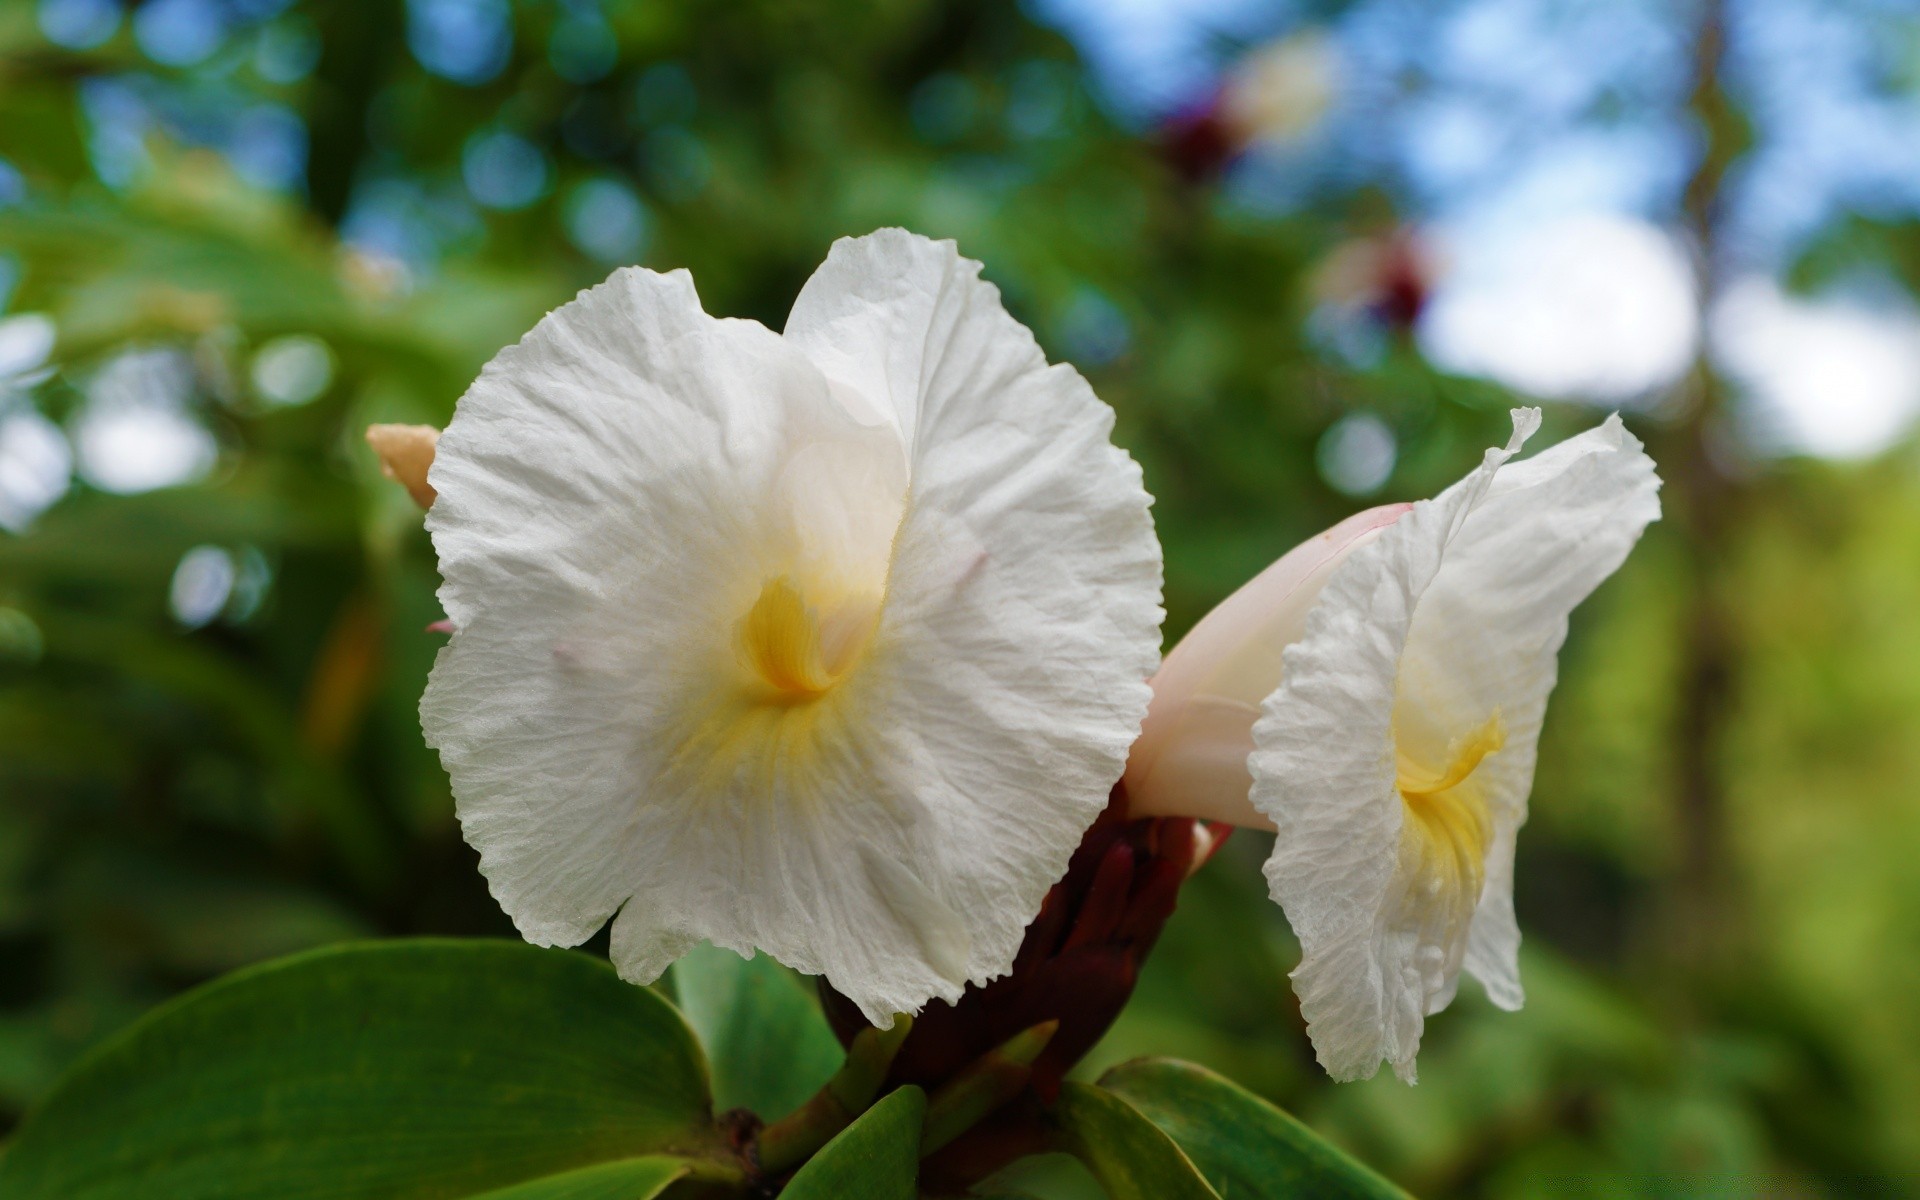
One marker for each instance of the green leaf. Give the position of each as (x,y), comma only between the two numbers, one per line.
(768,1046)
(875,1158)
(1247,1148)
(628,1179)
(391,1070)
(1127,1153)
(1053,1175)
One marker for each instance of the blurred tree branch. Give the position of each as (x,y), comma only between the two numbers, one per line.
(1704,494)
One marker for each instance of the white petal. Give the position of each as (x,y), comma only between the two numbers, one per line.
(616,490)
(595,503)
(1456,612)
(1550,529)
(1022,616)
(1191,757)
(874,318)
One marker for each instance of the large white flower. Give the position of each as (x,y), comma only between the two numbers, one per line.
(1376,696)
(829,644)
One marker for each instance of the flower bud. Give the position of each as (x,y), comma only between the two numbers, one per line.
(1191,756)
(405,453)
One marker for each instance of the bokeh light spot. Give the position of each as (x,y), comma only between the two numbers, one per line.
(467,41)
(607,221)
(134,434)
(1593,306)
(268,146)
(201,585)
(79,24)
(292,370)
(25,342)
(1356,454)
(36,467)
(504,170)
(179,33)
(1836,376)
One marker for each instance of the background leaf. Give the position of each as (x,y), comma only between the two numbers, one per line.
(1247,1148)
(768,1046)
(401,1069)
(875,1158)
(1127,1153)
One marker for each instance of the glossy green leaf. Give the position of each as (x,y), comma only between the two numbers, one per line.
(1126,1152)
(1247,1148)
(875,1158)
(768,1045)
(391,1070)
(628,1179)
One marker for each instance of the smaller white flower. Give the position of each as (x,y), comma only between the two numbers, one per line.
(1376,697)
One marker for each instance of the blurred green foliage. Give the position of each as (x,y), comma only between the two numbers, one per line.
(176,802)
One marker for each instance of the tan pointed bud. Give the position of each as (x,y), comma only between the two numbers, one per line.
(405,453)
(1191,756)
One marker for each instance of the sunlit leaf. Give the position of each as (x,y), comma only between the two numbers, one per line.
(875,1158)
(1126,1152)
(1247,1148)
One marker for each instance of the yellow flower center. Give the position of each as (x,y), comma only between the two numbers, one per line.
(799,648)
(1447,817)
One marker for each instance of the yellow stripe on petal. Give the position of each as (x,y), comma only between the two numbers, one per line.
(780,639)
(1447,814)
(797,647)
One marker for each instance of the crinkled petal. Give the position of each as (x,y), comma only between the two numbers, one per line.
(1454,616)
(599,486)
(1550,529)
(1022,616)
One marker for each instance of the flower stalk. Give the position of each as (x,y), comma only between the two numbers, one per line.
(794,1138)
(983,1086)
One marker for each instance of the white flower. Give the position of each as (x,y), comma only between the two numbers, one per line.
(828,644)
(1400,666)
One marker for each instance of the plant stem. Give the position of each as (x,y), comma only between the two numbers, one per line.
(983,1086)
(793,1139)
